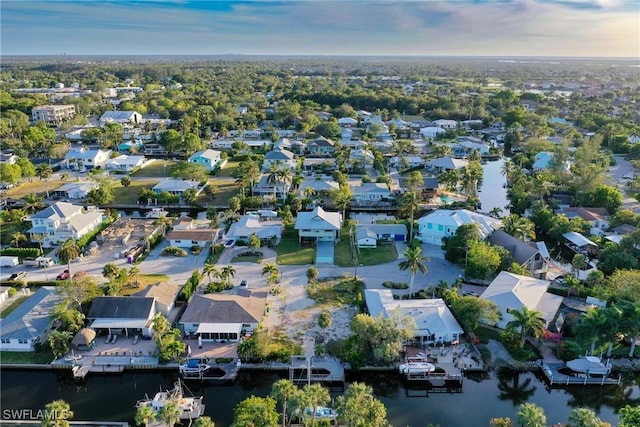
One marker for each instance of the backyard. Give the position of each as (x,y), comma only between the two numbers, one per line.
(290,252)
(129,195)
(157,169)
(36,186)
(382,254)
(144,280)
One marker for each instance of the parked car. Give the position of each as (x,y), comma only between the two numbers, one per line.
(63,276)
(229,243)
(243,283)
(470,294)
(18,276)
(79,275)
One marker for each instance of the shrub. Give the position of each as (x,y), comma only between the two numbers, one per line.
(214,287)
(324,320)
(395,285)
(12,292)
(174,251)
(196,249)
(21,252)
(568,350)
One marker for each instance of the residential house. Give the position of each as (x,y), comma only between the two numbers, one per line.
(445,124)
(324,116)
(62,221)
(174,186)
(471,124)
(224,317)
(126,163)
(435,226)
(430,187)
(279,158)
(52,115)
(524,254)
(442,164)
(580,244)
(371,192)
(434,322)
(318,225)
(404,162)
(620,232)
(468,144)
(361,156)
(271,189)
(347,122)
(210,159)
(7,157)
(323,165)
(353,145)
(322,186)
(30,322)
(78,158)
(321,146)
(264,228)
(122,117)
(597,218)
(165,294)
(74,190)
(431,131)
(131,315)
(510,292)
(186,238)
(368,235)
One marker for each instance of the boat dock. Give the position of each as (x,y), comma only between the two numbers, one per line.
(311,369)
(228,373)
(553,375)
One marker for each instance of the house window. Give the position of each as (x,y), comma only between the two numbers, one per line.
(440,227)
(5,341)
(23,341)
(429,226)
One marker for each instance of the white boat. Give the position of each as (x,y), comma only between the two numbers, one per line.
(416,368)
(190,407)
(194,366)
(590,365)
(321,413)
(73,357)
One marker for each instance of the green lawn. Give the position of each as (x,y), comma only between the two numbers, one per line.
(36,186)
(157,169)
(227,188)
(291,253)
(336,291)
(13,306)
(374,256)
(253,259)
(129,195)
(144,280)
(227,170)
(10,357)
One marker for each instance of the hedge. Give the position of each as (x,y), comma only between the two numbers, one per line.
(84,240)
(21,252)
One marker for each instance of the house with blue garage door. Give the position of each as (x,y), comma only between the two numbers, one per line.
(321,228)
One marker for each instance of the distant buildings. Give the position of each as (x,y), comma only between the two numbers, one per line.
(52,115)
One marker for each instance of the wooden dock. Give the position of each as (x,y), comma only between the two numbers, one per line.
(303,369)
(553,375)
(81,371)
(229,373)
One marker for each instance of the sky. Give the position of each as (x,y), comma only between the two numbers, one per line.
(580,28)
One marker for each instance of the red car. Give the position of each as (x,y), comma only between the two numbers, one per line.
(63,276)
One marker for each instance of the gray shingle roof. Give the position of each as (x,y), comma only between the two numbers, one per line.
(225,308)
(121,308)
(31,318)
(519,250)
(318,219)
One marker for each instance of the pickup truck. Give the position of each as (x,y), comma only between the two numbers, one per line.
(38,262)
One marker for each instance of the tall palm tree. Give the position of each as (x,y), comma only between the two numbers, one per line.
(614,320)
(57,414)
(170,413)
(270,269)
(134,273)
(630,325)
(33,202)
(283,390)
(409,204)
(527,322)
(164,222)
(312,396)
(519,227)
(414,262)
(16,238)
(591,326)
(145,415)
(227,272)
(68,252)
(210,271)
(44,172)
(531,415)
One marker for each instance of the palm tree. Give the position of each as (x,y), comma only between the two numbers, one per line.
(283,390)
(527,322)
(531,415)
(18,237)
(630,325)
(134,273)
(210,270)
(227,272)
(68,252)
(144,415)
(312,396)
(579,262)
(33,202)
(591,326)
(44,172)
(413,262)
(583,417)
(204,422)
(57,414)
(164,222)
(309,192)
(270,269)
(518,227)
(170,413)
(409,204)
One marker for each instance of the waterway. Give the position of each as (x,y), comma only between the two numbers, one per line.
(112,397)
(493,193)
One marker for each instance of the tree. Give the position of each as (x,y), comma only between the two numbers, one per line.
(591,326)
(270,269)
(190,171)
(27,169)
(519,227)
(68,252)
(33,202)
(311,396)
(59,342)
(111,271)
(204,422)
(102,194)
(329,129)
(527,322)
(134,273)
(629,416)
(56,414)
(312,274)
(145,415)
(359,408)
(630,321)
(210,271)
(67,319)
(414,262)
(10,173)
(125,181)
(254,242)
(227,272)
(170,413)
(255,412)
(44,172)
(282,391)
(579,262)
(408,205)
(80,291)
(501,422)
(16,238)
(531,415)
(471,311)
(171,140)
(583,417)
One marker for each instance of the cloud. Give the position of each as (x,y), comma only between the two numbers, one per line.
(455,27)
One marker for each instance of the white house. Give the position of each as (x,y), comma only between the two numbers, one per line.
(347,122)
(74,190)
(432,228)
(368,235)
(321,186)
(77,158)
(318,225)
(210,159)
(361,156)
(126,163)
(469,144)
(442,164)
(370,192)
(278,158)
(29,323)
(597,218)
(277,189)
(321,145)
(434,321)
(431,131)
(254,224)
(512,292)
(176,187)
(164,293)
(445,124)
(52,115)
(62,221)
(224,317)
(122,117)
(185,238)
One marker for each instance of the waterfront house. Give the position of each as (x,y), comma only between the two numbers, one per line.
(434,322)
(526,255)
(126,163)
(74,190)
(435,226)
(442,164)
(321,146)
(254,224)
(127,316)
(78,158)
(210,159)
(597,218)
(166,295)
(224,317)
(177,187)
(371,192)
(279,158)
(30,322)
(318,225)
(511,292)
(271,189)
(62,221)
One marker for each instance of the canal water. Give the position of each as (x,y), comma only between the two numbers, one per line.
(493,193)
(112,397)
